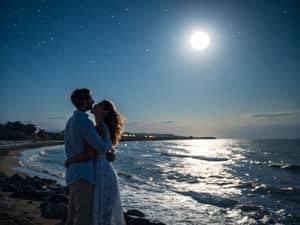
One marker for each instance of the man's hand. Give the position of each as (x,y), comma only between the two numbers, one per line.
(88,154)
(111,155)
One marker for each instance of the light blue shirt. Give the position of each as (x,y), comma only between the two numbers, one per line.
(80,128)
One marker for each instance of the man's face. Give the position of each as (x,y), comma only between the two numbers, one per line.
(90,103)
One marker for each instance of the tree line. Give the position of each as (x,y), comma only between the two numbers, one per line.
(20,131)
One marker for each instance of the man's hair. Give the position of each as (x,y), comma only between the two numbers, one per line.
(79,96)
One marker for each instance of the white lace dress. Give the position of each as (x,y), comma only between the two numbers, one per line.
(107,208)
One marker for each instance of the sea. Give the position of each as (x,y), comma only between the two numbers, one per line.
(186,182)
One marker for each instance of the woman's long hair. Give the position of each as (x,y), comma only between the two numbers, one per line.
(114,120)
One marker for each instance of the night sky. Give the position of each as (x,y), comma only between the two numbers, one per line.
(245,84)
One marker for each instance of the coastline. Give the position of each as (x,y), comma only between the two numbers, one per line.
(9,156)
(15,210)
(28,200)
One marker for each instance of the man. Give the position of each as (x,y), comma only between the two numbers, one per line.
(80,176)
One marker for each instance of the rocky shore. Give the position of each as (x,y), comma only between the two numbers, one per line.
(22,196)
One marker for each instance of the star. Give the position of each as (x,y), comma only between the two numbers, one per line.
(40,43)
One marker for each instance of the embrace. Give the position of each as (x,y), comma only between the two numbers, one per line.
(94,196)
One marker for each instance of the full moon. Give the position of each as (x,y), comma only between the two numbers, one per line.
(199,41)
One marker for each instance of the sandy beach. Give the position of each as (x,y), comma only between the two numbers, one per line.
(9,156)
(14,210)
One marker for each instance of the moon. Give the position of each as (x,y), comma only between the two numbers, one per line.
(199,41)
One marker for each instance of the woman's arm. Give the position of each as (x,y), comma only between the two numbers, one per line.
(88,154)
(104,133)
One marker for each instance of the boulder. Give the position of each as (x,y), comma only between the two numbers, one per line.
(51,210)
(135,212)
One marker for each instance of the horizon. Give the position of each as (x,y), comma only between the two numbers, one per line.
(174,134)
(241,83)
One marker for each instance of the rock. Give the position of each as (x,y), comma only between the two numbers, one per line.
(7,219)
(3,178)
(135,212)
(54,200)
(16,178)
(7,187)
(127,219)
(143,221)
(61,223)
(139,220)
(30,195)
(52,210)
(57,198)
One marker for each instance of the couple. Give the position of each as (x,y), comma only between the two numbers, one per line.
(94,196)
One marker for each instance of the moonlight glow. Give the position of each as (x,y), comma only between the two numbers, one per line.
(199,41)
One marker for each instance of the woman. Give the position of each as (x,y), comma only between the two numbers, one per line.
(107,208)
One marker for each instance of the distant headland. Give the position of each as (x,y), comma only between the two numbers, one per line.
(17,131)
(156,136)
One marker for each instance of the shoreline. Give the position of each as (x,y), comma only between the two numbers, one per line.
(27,211)
(9,156)
(31,200)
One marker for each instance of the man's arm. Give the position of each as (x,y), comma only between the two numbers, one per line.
(88,154)
(91,136)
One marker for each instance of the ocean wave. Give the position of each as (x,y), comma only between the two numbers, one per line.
(57,173)
(290,192)
(254,214)
(210,199)
(188,178)
(139,182)
(289,167)
(215,159)
(293,193)
(42,153)
(246,185)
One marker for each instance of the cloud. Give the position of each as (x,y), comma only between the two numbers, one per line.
(271,115)
(167,122)
(57,117)
(133,123)
(136,123)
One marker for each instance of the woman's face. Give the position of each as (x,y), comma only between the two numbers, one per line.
(97,108)
(98,111)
